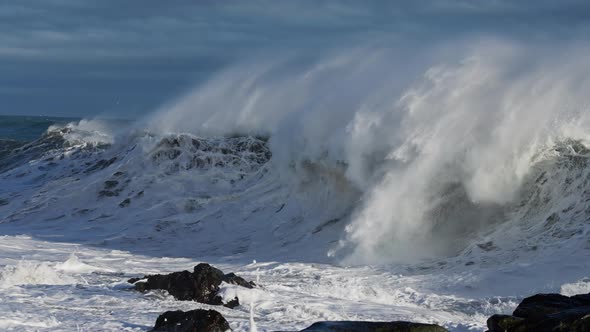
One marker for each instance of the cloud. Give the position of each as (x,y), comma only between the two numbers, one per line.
(133,38)
(66,29)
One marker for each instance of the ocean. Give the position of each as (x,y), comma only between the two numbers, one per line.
(28,128)
(347,192)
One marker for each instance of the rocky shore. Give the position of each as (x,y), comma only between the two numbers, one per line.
(201,285)
(546,313)
(538,313)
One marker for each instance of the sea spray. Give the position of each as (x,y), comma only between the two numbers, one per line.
(400,158)
(253,327)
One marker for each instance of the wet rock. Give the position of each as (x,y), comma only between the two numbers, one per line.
(201,285)
(373,327)
(541,305)
(546,312)
(134,280)
(232,278)
(504,323)
(198,320)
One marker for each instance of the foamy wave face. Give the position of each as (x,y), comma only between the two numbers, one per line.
(185,152)
(33,273)
(461,136)
(95,132)
(480,125)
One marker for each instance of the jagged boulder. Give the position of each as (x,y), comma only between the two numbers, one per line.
(373,327)
(201,285)
(546,312)
(198,320)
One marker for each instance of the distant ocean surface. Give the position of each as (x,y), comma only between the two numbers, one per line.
(27,128)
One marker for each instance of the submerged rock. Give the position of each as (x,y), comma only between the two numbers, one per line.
(198,320)
(201,285)
(546,312)
(373,327)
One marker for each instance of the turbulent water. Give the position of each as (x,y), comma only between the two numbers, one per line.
(437,191)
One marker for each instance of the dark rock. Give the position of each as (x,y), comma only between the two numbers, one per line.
(541,305)
(125,202)
(584,298)
(231,278)
(133,280)
(546,312)
(582,324)
(565,320)
(198,320)
(201,285)
(505,323)
(373,327)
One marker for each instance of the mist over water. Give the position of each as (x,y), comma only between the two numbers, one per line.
(437,143)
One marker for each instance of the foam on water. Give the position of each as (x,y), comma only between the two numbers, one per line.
(74,265)
(25,323)
(579,287)
(289,296)
(32,273)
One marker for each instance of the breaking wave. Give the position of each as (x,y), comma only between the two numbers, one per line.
(366,156)
(32,273)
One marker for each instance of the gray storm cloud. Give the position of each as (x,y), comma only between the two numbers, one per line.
(81,58)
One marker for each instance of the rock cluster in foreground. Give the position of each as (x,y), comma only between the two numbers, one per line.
(201,285)
(373,326)
(198,320)
(538,313)
(201,320)
(546,312)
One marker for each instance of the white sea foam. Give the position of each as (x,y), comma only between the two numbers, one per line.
(33,273)
(74,265)
(579,287)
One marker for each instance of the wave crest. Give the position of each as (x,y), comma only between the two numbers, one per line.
(395,161)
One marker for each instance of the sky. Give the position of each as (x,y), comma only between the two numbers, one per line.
(126,58)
